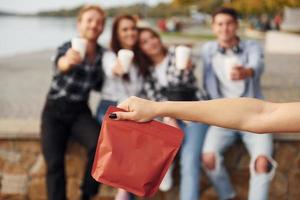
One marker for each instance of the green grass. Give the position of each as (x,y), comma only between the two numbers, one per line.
(188,35)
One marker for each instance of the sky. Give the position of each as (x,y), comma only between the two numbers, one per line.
(32,6)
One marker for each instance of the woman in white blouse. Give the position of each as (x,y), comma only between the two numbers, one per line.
(119,84)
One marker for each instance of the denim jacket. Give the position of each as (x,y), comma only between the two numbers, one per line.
(251,55)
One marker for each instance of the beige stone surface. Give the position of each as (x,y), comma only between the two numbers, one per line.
(14,183)
(37,189)
(297,161)
(38,169)
(27,160)
(107,191)
(209,194)
(76,159)
(73,188)
(75,166)
(279,186)
(240,180)
(244,162)
(6,144)
(28,146)
(13,197)
(285,184)
(12,168)
(285,154)
(294,182)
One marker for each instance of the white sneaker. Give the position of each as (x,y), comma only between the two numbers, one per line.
(122,195)
(167,182)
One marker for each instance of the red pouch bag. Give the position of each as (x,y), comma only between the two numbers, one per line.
(135,156)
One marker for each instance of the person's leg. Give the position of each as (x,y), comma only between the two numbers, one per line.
(85,130)
(194,134)
(54,136)
(216,141)
(167,181)
(124,195)
(262,166)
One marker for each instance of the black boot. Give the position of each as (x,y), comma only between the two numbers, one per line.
(85,197)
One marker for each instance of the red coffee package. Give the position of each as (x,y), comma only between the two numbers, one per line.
(135,156)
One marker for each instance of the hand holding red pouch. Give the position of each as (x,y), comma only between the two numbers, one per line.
(135,156)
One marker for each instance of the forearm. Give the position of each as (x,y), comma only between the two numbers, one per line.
(246,114)
(240,113)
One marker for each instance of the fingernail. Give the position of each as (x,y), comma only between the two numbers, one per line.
(113,116)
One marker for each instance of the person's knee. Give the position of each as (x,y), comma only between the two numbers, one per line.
(91,143)
(209,161)
(262,164)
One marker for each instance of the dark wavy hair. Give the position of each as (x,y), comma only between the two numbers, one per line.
(144,61)
(227,11)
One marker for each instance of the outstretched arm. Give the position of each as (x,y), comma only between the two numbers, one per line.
(239,113)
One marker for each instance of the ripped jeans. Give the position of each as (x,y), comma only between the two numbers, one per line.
(218,140)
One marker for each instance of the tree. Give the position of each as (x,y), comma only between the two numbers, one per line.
(256,7)
(203,5)
(178,3)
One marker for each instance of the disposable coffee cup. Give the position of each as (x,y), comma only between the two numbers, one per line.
(182,56)
(125,57)
(230,63)
(79,45)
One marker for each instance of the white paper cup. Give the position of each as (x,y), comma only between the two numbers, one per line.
(125,57)
(230,63)
(182,56)
(79,44)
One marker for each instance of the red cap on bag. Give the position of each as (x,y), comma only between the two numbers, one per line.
(135,156)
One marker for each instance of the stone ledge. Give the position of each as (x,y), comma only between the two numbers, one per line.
(30,164)
(19,129)
(287,137)
(30,129)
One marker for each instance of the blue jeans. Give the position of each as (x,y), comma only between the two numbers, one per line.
(190,159)
(218,139)
(102,107)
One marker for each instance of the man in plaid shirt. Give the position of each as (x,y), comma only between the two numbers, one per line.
(66,113)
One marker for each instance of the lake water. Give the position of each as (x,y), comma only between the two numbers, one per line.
(29,34)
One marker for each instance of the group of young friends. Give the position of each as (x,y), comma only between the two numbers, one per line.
(152,75)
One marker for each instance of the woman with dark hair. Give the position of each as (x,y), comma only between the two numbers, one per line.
(163,81)
(120,83)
